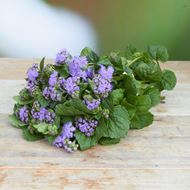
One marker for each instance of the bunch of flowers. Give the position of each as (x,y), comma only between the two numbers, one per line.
(81,101)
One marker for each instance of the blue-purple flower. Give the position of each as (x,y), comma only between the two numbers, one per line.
(102,86)
(51,93)
(43,115)
(53,79)
(33,72)
(71,85)
(64,139)
(23,114)
(77,67)
(91,103)
(106,73)
(62,57)
(86,126)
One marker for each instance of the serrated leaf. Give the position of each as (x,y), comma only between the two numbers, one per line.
(104,61)
(129,84)
(108,141)
(16,122)
(43,102)
(141,120)
(22,102)
(116,96)
(158,53)
(50,139)
(147,71)
(90,54)
(168,80)
(31,137)
(46,129)
(116,126)
(72,108)
(62,70)
(142,102)
(154,95)
(84,141)
(130,108)
(130,50)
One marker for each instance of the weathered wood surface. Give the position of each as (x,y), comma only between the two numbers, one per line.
(156,157)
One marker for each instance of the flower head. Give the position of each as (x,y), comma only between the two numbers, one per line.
(53,79)
(51,93)
(68,129)
(33,72)
(102,86)
(71,85)
(77,66)
(62,57)
(91,103)
(43,115)
(86,126)
(23,114)
(106,73)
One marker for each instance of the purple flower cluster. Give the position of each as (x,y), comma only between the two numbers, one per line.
(32,74)
(51,93)
(62,57)
(53,79)
(92,104)
(102,81)
(64,139)
(71,85)
(86,126)
(23,114)
(43,115)
(106,73)
(77,67)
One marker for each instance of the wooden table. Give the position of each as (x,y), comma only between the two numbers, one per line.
(156,157)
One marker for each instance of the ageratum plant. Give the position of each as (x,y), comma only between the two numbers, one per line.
(85,100)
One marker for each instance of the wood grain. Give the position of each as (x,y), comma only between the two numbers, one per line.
(156,157)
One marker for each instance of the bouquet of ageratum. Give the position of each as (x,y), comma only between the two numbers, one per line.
(80,101)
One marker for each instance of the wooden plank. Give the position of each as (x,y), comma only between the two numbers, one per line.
(163,145)
(177,101)
(156,157)
(85,179)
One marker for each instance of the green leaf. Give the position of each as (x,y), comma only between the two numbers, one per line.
(147,71)
(116,126)
(129,84)
(50,139)
(43,102)
(130,108)
(158,53)
(22,102)
(16,122)
(42,64)
(62,70)
(116,96)
(46,129)
(72,108)
(141,120)
(130,50)
(142,102)
(168,80)
(90,54)
(108,141)
(84,141)
(104,61)
(154,95)
(31,137)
